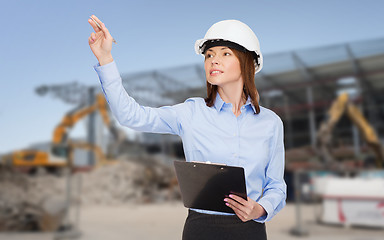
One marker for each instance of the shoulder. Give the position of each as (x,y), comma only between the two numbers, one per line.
(270,115)
(195,102)
(189,106)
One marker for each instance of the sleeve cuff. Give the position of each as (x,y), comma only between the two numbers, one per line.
(107,73)
(268,209)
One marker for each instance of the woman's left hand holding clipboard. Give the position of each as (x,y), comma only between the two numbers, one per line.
(245,209)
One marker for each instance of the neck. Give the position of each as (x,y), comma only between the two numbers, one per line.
(233,95)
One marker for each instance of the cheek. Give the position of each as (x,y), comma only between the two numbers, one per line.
(206,67)
(234,66)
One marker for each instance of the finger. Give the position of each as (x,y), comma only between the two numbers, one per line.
(97,19)
(102,27)
(239,199)
(94,26)
(236,205)
(105,31)
(237,212)
(90,40)
(235,208)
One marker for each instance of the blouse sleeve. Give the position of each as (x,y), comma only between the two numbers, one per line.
(129,113)
(274,195)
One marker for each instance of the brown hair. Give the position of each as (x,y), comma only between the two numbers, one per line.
(247,67)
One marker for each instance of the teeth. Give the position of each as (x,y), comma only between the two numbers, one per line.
(214,72)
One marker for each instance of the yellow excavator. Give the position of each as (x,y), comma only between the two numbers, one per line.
(30,161)
(60,143)
(62,148)
(324,134)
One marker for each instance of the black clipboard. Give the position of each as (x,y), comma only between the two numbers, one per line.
(204,185)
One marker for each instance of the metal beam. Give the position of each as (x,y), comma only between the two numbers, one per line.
(288,118)
(308,75)
(278,86)
(303,84)
(370,95)
(72,93)
(171,82)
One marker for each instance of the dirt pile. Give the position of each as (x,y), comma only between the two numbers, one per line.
(38,202)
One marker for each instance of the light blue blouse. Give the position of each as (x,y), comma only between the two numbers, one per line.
(215,134)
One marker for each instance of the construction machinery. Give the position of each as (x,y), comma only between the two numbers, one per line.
(62,148)
(53,211)
(60,144)
(31,161)
(347,197)
(324,135)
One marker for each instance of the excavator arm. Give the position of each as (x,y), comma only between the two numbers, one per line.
(102,159)
(60,135)
(324,135)
(368,133)
(68,121)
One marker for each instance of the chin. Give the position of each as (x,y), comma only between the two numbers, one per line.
(214,81)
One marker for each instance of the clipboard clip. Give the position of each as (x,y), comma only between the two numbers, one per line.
(208,162)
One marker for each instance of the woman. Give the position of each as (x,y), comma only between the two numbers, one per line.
(229,126)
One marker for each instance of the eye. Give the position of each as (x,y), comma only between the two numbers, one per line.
(227,54)
(208,55)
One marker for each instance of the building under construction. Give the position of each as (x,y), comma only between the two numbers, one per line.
(300,86)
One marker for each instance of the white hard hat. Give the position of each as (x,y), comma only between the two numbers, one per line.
(235,32)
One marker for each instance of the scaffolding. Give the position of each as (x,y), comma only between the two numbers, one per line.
(298,85)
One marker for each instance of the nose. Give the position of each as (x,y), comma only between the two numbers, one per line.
(214,60)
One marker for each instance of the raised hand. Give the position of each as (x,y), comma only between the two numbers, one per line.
(100,41)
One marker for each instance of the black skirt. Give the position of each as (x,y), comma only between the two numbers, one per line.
(200,226)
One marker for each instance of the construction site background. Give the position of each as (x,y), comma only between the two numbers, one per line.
(335,181)
(119,184)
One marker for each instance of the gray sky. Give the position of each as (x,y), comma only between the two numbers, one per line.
(45,42)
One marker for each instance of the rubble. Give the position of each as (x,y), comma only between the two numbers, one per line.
(38,203)
(129,181)
(21,200)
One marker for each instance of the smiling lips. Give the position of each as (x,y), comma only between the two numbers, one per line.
(215,72)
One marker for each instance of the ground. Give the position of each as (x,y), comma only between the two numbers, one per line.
(166,220)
